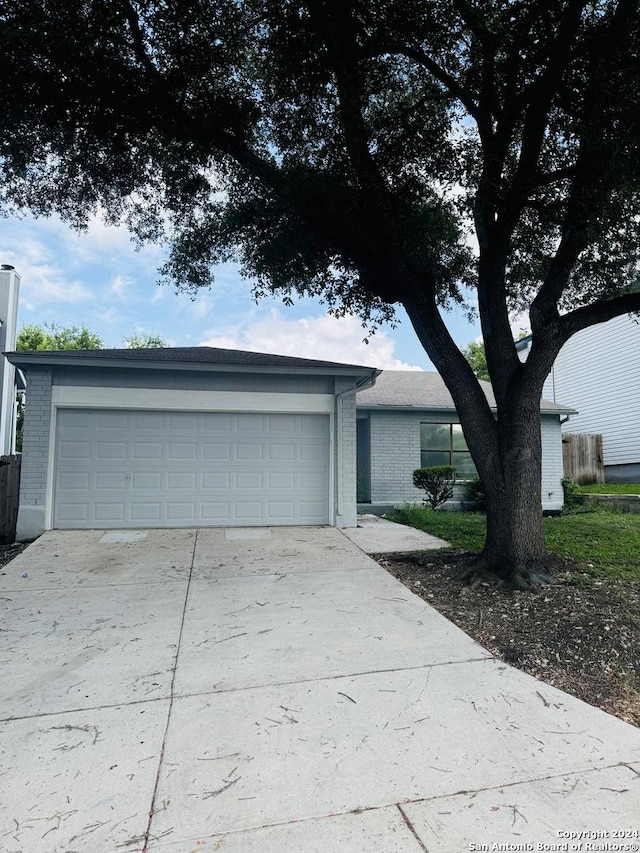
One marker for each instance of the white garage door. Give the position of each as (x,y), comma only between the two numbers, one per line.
(180,469)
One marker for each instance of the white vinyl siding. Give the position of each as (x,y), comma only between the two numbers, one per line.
(598,373)
(127,468)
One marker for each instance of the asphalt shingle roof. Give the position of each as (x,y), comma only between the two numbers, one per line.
(192,355)
(417,389)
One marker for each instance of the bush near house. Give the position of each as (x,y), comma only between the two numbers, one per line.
(437,482)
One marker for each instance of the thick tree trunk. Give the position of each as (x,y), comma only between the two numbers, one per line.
(514,548)
(507,450)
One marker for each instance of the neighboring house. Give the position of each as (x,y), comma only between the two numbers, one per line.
(598,373)
(9,287)
(187,437)
(407,420)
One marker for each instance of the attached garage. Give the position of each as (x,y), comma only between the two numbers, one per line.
(182,469)
(186,438)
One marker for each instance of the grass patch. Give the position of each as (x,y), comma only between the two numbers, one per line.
(609,489)
(462,529)
(606,544)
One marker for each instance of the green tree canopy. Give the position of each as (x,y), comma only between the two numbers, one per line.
(475,355)
(477,358)
(50,336)
(145,340)
(484,153)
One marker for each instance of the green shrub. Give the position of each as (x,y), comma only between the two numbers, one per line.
(474,491)
(437,482)
(572,497)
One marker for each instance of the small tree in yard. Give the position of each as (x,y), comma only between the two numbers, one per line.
(437,481)
(348,151)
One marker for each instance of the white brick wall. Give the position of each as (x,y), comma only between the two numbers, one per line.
(395,454)
(345,487)
(35,440)
(552,472)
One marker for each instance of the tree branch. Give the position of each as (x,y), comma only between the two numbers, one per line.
(597,312)
(540,96)
(453,86)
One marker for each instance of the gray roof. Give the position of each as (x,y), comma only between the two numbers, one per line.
(417,389)
(181,356)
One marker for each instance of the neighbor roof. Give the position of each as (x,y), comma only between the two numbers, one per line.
(194,357)
(417,389)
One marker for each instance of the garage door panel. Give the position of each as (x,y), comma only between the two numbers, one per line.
(181,511)
(250,423)
(281,480)
(146,450)
(248,511)
(216,451)
(218,422)
(106,480)
(185,469)
(182,421)
(75,482)
(144,481)
(277,452)
(149,420)
(145,513)
(181,480)
(74,450)
(109,512)
(216,480)
(73,512)
(249,452)
(280,509)
(182,450)
(214,513)
(111,450)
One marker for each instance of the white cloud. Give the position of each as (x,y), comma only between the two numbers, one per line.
(120,284)
(325,337)
(44,280)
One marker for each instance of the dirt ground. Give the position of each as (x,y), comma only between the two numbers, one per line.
(583,639)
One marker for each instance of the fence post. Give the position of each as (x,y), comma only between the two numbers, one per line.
(9,497)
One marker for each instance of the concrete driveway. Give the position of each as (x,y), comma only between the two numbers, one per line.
(276,691)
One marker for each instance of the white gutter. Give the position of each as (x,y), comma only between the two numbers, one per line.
(367,382)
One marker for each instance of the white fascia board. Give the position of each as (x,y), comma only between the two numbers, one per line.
(92,397)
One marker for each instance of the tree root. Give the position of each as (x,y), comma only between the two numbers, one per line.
(521,575)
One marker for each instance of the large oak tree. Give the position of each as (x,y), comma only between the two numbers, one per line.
(349,149)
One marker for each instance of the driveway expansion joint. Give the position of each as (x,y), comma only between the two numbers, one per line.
(338,676)
(412,829)
(152,807)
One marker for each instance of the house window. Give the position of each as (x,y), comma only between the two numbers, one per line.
(444,444)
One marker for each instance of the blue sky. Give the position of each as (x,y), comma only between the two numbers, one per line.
(99,280)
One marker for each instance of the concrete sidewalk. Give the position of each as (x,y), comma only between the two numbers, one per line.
(276,691)
(376,535)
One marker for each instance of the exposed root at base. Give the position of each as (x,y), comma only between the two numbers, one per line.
(514,574)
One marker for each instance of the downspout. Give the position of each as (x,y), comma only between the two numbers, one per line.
(367,382)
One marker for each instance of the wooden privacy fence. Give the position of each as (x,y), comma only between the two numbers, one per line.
(9,494)
(582,457)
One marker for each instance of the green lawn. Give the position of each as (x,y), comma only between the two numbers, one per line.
(609,489)
(604,543)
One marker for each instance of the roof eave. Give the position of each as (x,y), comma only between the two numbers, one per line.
(22,359)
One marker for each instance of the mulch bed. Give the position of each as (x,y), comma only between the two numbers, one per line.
(8,552)
(582,638)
